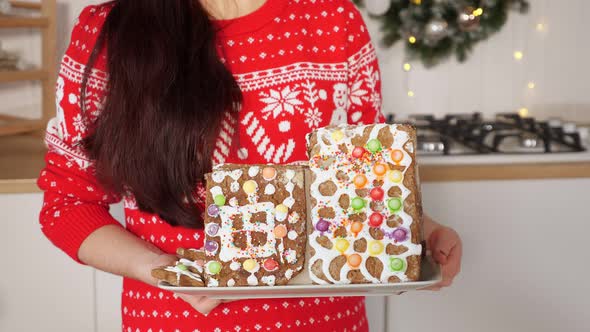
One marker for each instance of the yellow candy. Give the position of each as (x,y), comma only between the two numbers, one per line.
(338,135)
(249,265)
(282,208)
(250,187)
(396,176)
(341,245)
(375,248)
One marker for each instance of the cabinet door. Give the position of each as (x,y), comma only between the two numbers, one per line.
(41,289)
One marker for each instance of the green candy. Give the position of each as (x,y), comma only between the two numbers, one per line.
(374,146)
(396,264)
(214,267)
(358,203)
(394,204)
(182,267)
(219,200)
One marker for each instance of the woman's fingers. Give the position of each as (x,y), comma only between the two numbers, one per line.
(202,304)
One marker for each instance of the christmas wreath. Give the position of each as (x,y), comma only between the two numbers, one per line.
(434,29)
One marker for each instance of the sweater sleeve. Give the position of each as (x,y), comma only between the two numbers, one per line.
(74,203)
(364,78)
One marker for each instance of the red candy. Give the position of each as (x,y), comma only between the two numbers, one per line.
(376,219)
(377,194)
(358,152)
(270,264)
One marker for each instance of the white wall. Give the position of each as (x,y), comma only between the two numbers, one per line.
(491,81)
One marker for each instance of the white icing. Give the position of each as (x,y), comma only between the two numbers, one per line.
(281,216)
(231,283)
(252,280)
(216,191)
(269,189)
(289,274)
(233,201)
(269,280)
(330,148)
(212,283)
(253,171)
(290,256)
(294,217)
(292,235)
(235,266)
(234,187)
(217,177)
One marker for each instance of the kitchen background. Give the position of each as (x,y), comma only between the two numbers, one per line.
(524,239)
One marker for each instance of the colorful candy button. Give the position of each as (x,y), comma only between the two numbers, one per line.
(322,225)
(219,200)
(400,234)
(396,264)
(211,246)
(355,260)
(397,156)
(380,169)
(358,203)
(374,146)
(250,265)
(375,247)
(356,227)
(360,181)
(212,229)
(376,219)
(269,173)
(270,265)
(281,208)
(250,187)
(358,152)
(341,245)
(377,194)
(395,176)
(280,231)
(338,135)
(394,204)
(214,267)
(213,210)
(181,267)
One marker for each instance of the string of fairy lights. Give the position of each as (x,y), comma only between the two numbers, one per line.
(519,55)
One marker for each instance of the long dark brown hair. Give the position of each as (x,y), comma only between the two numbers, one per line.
(167,94)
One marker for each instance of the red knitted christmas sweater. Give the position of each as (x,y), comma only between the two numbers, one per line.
(301,64)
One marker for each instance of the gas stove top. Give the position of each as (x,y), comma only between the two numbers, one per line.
(507,133)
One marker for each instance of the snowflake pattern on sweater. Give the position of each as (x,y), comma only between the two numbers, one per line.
(301,65)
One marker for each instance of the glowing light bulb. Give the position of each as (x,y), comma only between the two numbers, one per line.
(518,55)
(523,112)
(478,12)
(417,2)
(540,27)
(407,67)
(412,39)
(531,85)
(410,93)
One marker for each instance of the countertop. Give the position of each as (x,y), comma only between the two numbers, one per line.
(21,159)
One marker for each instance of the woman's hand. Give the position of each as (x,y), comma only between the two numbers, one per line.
(446,249)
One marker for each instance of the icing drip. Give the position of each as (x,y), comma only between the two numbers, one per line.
(342,163)
(213,283)
(269,280)
(252,280)
(269,189)
(289,274)
(235,266)
(231,283)
(253,171)
(290,256)
(292,235)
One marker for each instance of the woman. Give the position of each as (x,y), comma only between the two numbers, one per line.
(151,93)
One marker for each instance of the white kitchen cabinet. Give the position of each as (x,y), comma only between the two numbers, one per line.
(525,259)
(41,289)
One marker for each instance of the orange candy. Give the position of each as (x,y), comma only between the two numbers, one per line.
(356,227)
(355,260)
(269,173)
(397,156)
(380,169)
(360,181)
(280,231)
